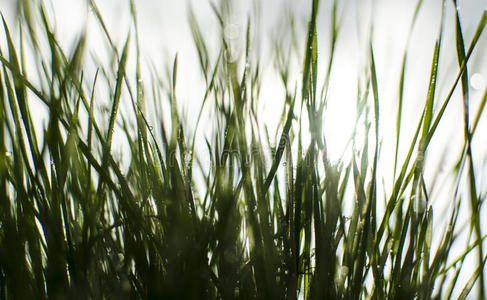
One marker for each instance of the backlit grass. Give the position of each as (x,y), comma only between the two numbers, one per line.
(233,212)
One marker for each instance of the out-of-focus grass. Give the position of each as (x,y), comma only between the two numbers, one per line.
(73,224)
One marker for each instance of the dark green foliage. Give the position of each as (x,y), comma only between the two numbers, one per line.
(78,222)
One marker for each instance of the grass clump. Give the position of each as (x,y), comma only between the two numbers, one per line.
(76,221)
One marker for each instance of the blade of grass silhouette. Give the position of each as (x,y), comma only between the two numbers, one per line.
(474,200)
(468,287)
(401,83)
(113,114)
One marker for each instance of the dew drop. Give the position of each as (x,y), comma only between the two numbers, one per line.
(231,31)
(477,81)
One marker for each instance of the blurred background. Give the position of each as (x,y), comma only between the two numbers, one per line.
(165,32)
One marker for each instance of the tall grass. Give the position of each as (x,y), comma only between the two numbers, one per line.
(78,222)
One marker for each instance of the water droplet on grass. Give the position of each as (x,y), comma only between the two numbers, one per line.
(231,31)
(477,81)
